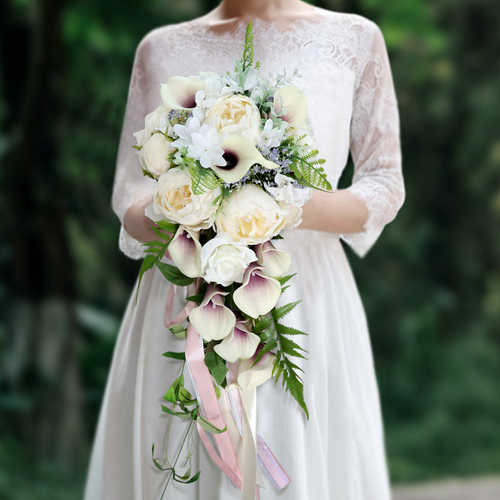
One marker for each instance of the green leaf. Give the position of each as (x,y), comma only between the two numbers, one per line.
(193,479)
(291,348)
(284,310)
(216,365)
(210,427)
(161,234)
(148,262)
(170,227)
(277,237)
(261,325)
(267,334)
(175,355)
(196,298)
(180,414)
(285,279)
(173,274)
(179,331)
(171,394)
(288,330)
(296,389)
(267,347)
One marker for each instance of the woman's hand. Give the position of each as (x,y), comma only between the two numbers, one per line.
(337,212)
(137,224)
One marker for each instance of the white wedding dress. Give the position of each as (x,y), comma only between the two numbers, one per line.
(339,453)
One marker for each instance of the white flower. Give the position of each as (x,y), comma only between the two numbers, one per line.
(235,114)
(287,191)
(290,104)
(270,137)
(292,213)
(224,261)
(154,155)
(215,87)
(184,132)
(206,147)
(174,201)
(251,215)
(241,83)
(155,121)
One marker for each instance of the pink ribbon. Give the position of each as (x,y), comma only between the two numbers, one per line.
(209,403)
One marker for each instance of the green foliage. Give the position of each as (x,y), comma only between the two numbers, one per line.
(217,366)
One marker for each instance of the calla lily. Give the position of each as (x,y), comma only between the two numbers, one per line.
(250,377)
(185,251)
(212,319)
(240,344)
(240,154)
(274,262)
(180,92)
(258,294)
(295,102)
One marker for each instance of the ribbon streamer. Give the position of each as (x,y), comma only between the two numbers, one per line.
(237,450)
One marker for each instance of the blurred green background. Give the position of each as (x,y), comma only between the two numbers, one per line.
(431,284)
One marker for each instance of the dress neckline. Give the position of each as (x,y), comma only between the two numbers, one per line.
(262,26)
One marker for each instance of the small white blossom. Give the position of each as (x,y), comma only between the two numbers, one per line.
(288,192)
(270,137)
(205,146)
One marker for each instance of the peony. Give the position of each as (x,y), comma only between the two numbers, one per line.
(235,114)
(154,155)
(224,261)
(251,215)
(173,200)
(292,213)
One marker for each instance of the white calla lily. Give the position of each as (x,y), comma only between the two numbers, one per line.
(240,344)
(292,103)
(250,377)
(274,262)
(180,92)
(240,154)
(185,250)
(258,294)
(212,319)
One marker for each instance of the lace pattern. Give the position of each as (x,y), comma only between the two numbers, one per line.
(346,76)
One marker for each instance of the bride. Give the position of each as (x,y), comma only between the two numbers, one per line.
(339,453)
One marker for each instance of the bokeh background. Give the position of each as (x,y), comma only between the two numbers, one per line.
(431,284)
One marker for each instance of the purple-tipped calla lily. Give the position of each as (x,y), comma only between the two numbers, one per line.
(240,344)
(258,294)
(250,377)
(180,92)
(292,102)
(240,154)
(274,262)
(212,319)
(185,251)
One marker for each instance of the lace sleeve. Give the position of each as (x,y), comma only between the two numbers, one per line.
(375,143)
(130,185)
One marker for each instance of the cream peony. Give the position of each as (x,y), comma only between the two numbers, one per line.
(235,114)
(173,200)
(251,215)
(224,261)
(154,155)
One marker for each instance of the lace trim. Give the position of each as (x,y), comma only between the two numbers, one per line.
(131,247)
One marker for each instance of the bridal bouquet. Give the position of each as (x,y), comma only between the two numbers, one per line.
(234,160)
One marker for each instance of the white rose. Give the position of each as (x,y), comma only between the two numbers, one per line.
(236,114)
(288,191)
(155,121)
(174,201)
(154,155)
(224,261)
(251,215)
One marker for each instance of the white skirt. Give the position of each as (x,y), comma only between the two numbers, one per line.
(337,454)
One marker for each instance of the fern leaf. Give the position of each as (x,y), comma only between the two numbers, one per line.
(284,310)
(288,330)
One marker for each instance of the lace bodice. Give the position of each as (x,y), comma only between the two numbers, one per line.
(346,76)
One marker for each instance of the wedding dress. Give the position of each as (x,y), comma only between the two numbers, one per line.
(339,453)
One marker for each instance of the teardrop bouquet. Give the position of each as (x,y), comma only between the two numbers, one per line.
(234,160)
